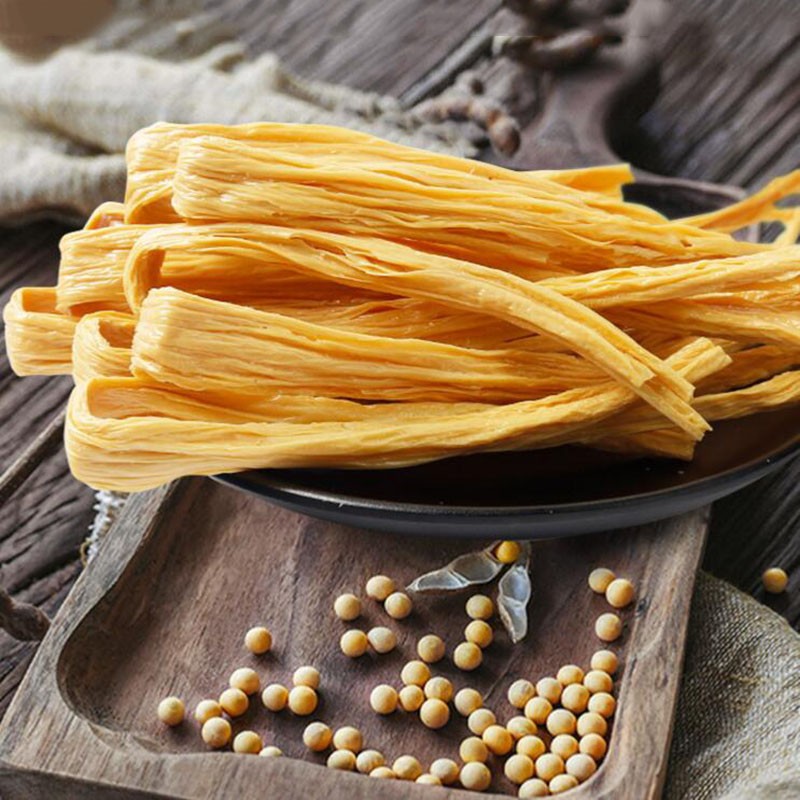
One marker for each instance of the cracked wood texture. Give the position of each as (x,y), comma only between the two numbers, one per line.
(190,567)
(728,111)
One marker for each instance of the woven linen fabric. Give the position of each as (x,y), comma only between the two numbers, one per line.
(737,726)
(65,117)
(64,121)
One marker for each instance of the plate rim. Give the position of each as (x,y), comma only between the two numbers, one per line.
(755,469)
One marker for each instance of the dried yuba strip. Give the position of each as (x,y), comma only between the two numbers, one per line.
(305,296)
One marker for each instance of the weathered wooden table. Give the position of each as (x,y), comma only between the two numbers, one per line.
(729,111)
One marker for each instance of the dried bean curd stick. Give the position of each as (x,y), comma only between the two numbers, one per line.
(754,325)
(371,263)
(386,435)
(38,333)
(665,443)
(91,267)
(123,397)
(791,230)
(783,294)
(102,345)
(643,285)
(421,319)
(467,284)
(136,397)
(38,338)
(195,343)
(750,366)
(93,261)
(218,179)
(141,452)
(152,154)
(780,390)
(776,392)
(695,360)
(106,214)
(756,208)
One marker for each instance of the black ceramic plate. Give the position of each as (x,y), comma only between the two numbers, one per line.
(543,493)
(535,494)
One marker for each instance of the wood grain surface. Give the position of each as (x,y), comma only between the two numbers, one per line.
(163,610)
(738,123)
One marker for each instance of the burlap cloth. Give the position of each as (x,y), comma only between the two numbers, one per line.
(64,120)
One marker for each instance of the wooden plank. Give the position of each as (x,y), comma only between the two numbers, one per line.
(382,46)
(43,445)
(738,124)
(47,593)
(755,529)
(43,525)
(163,609)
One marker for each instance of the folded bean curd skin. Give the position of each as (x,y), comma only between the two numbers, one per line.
(274,295)
(102,345)
(38,338)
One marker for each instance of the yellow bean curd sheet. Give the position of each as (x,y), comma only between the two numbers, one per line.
(274,295)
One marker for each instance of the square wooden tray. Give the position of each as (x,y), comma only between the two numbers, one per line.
(188,568)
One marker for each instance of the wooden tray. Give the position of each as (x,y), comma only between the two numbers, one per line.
(164,607)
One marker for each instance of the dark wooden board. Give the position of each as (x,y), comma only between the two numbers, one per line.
(43,525)
(384,46)
(164,607)
(729,107)
(701,69)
